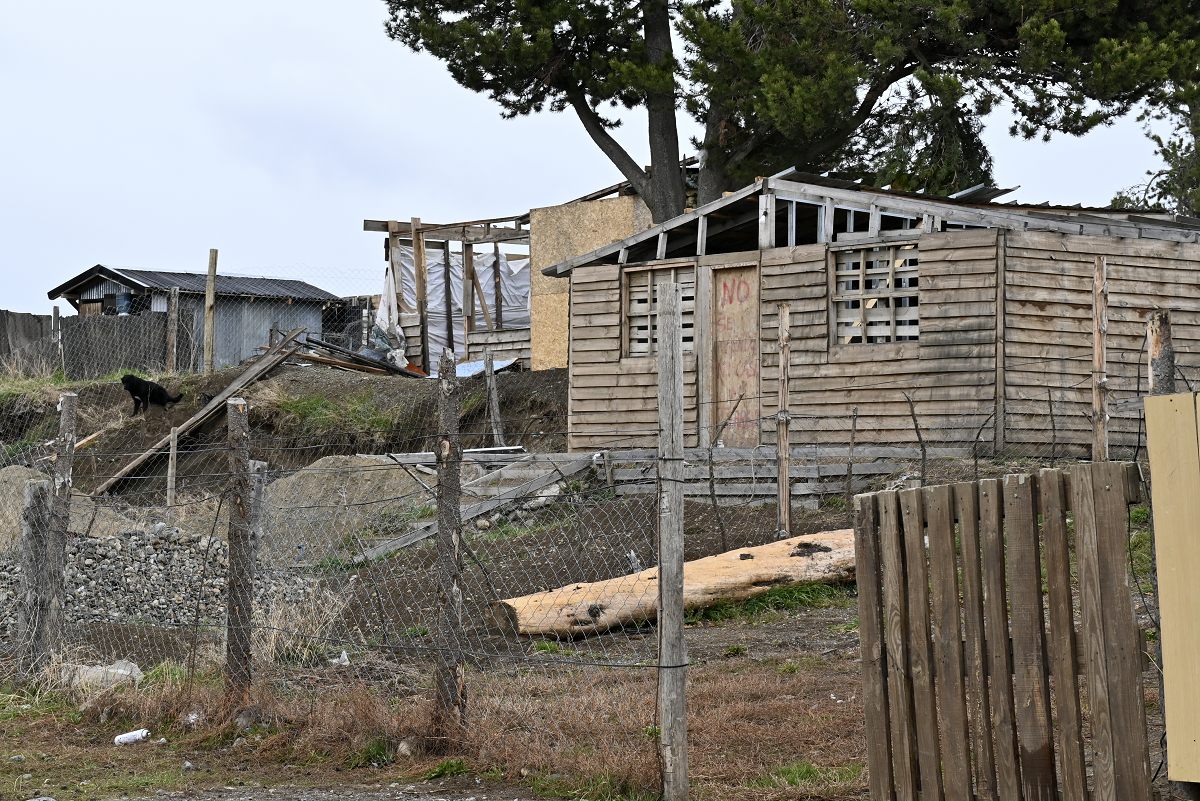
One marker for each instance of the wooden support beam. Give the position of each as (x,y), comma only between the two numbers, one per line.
(172,328)
(701,235)
(1161,352)
(499,294)
(1000,423)
(827,221)
(783,421)
(448,289)
(469,284)
(1100,361)
(210,311)
(419,268)
(493,399)
(766,220)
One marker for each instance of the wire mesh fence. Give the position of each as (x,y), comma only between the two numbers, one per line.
(347,591)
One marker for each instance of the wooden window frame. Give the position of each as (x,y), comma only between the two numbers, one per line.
(630,291)
(902,265)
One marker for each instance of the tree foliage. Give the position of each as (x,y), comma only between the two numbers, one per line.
(891,91)
(1175,187)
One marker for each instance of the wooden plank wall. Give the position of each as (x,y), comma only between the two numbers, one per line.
(925,583)
(613,401)
(510,343)
(1048,331)
(949,373)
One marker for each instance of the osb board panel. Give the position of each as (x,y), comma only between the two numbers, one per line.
(558,233)
(548,330)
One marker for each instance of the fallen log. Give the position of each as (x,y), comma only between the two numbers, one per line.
(579,610)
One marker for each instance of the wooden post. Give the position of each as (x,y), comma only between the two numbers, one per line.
(172,329)
(172,465)
(493,398)
(239,588)
(58,341)
(849,461)
(672,649)
(499,295)
(258,489)
(210,311)
(1162,352)
(60,516)
(1100,361)
(468,289)
(782,420)
(912,410)
(34,635)
(1000,421)
(418,242)
(450,678)
(449,290)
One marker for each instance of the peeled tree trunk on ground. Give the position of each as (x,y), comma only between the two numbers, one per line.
(579,610)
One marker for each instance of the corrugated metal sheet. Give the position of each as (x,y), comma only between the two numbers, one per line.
(102,287)
(227,284)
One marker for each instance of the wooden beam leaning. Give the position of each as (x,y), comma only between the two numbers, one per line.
(783,422)
(419,269)
(1100,361)
(869,575)
(929,753)
(210,311)
(493,391)
(672,667)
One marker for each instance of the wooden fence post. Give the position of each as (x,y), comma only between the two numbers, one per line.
(172,329)
(210,311)
(498,294)
(60,515)
(849,461)
(1162,352)
(448,288)
(239,592)
(172,465)
(493,398)
(419,267)
(58,341)
(783,418)
(451,679)
(672,649)
(468,253)
(1100,361)
(33,608)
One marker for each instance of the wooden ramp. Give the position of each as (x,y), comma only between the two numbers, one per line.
(269,361)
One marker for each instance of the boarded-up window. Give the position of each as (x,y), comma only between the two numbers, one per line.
(641,310)
(875,297)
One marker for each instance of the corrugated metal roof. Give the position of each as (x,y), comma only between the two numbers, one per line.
(245,286)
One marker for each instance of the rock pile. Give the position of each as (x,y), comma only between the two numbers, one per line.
(163,576)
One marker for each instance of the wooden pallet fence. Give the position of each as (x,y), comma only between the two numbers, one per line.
(971,658)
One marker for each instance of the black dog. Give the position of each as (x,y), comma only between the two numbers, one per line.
(146,392)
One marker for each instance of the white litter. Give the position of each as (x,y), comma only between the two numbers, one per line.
(130,737)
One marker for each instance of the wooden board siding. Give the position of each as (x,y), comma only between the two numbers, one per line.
(949,372)
(613,401)
(1048,340)
(510,343)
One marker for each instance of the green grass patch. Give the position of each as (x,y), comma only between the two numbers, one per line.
(449,767)
(594,788)
(805,774)
(376,752)
(317,414)
(734,650)
(776,600)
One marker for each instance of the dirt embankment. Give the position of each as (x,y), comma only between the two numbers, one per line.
(299,414)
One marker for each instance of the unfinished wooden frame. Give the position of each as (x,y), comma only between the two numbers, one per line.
(875,295)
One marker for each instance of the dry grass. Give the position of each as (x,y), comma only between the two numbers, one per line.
(297,633)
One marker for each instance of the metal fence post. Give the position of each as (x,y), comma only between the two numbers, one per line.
(33,608)
(239,593)
(672,649)
(493,398)
(450,679)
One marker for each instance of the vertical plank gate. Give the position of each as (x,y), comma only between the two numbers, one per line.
(971,654)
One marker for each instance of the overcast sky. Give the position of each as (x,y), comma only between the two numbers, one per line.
(141,133)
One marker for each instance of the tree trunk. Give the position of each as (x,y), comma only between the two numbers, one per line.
(667,197)
(713,171)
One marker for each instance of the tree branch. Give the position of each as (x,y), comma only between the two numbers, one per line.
(864,111)
(609,146)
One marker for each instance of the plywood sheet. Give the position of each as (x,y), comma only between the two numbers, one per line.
(735,329)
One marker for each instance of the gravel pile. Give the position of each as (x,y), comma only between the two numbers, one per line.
(149,576)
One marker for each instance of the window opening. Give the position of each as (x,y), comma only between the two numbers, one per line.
(876,297)
(641,313)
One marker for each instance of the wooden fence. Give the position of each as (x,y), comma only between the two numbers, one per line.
(959,663)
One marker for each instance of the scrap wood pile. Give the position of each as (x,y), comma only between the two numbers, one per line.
(318,351)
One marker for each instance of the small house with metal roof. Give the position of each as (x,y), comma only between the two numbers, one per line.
(979,311)
(247,307)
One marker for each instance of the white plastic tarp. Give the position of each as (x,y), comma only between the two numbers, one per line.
(514,290)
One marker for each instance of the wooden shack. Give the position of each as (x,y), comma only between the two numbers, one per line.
(980,312)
